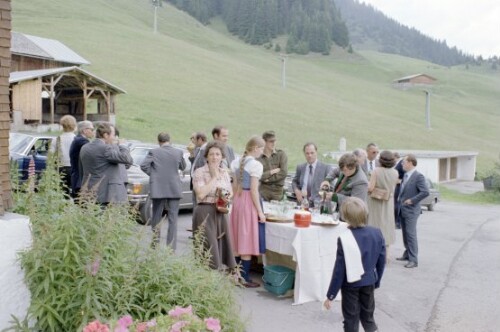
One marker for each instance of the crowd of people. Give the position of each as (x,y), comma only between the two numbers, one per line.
(374,192)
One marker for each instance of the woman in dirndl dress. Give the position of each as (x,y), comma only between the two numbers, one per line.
(206,181)
(247,221)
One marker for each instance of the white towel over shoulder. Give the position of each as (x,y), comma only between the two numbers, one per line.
(352,255)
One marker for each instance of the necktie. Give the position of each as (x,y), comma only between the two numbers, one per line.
(309,181)
(371,165)
(403,183)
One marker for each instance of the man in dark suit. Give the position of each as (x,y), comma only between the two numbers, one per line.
(85,133)
(99,166)
(162,164)
(413,190)
(308,176)
(399,168)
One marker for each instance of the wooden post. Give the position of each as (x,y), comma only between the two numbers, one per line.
(84,99)
(52,96)
(108,105)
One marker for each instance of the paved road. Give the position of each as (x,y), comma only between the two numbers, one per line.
(455,287)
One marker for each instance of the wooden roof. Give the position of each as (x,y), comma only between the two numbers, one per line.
(44,48)
(409,78)
(68,73)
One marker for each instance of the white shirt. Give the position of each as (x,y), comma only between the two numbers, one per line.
(306,175)
(66,140)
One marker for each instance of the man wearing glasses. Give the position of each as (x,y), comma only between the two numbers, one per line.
(85,133)
(371,159)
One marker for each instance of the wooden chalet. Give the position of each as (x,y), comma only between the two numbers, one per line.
(414,80)
(47,82)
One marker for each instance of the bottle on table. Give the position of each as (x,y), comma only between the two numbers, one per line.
(304,205)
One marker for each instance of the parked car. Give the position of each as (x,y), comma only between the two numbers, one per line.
(434,196)
(26,147)
(138,181)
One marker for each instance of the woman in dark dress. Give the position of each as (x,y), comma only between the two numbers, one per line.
(206,181)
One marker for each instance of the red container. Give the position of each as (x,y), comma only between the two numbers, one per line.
(302,219)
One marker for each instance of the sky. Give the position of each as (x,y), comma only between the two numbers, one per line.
(473,26)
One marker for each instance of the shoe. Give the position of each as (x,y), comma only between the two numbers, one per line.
(251,284)
(402,258)
(411,265)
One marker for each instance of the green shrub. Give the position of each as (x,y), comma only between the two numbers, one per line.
(87,263)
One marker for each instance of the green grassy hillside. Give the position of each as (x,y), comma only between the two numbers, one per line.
(189,77)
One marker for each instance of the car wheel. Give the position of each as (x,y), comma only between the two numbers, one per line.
(430,207)
(146,211)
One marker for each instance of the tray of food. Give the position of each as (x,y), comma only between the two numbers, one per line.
(273,218)
(324,220)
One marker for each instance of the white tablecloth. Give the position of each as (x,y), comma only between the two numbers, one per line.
(314,249)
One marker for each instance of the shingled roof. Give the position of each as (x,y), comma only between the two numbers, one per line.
(44,48)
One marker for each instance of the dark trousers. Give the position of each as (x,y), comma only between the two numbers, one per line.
(172,205)
(409,230)
(358,304)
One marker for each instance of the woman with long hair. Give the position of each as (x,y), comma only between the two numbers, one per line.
(247,217)
(207,180)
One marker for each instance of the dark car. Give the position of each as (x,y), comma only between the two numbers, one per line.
(24,148)
(138,181)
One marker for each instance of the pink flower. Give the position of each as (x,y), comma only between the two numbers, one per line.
(96,326)
(213,324)
(124,323)
(178,311)
(151,323)
(177,327)
(141,327)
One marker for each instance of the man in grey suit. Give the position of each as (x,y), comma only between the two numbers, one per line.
(162,164)
(99,166)
(352,181)
(413,190)
(308,176)
(371,159)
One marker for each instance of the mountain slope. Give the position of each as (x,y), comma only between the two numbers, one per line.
(371,29)
(189,77)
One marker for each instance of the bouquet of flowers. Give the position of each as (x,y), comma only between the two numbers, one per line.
(223,200)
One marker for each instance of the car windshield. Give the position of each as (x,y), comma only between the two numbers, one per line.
(18,142)
(138,154)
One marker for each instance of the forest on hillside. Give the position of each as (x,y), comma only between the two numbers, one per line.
(311,25)
(314,25)
(369,28)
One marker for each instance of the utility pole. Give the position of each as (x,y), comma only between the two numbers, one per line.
(428,109)
(283,58)
(156,3)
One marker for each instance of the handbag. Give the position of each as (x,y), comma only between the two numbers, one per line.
(379,193)
(222,203)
